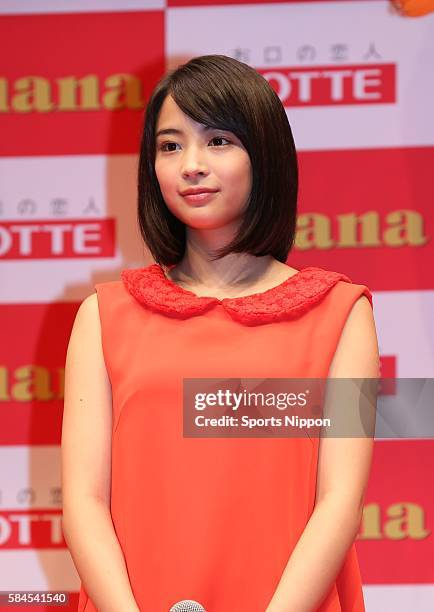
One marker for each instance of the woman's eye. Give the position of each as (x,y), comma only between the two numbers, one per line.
(166,144)
(220,138)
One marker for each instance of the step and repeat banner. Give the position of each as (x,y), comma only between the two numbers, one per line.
(357,81)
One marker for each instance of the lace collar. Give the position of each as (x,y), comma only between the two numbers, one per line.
(153,289)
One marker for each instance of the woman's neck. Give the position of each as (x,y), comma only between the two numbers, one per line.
(233,275)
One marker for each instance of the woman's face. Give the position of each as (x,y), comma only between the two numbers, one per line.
(198,157)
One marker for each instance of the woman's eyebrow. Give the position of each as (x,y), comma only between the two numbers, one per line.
(179,132)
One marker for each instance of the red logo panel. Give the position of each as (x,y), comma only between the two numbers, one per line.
(368,213)
(32,371)
(395,543)
(82,83)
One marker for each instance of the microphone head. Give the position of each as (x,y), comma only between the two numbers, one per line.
(187,605)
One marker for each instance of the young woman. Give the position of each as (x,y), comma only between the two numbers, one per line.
(238,524)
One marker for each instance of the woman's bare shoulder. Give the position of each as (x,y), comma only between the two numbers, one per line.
(87,315)
(85,336)
(90,303)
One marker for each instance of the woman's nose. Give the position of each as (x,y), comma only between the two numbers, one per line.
(193,165)
(193,170)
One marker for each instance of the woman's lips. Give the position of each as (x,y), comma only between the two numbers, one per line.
(204,196)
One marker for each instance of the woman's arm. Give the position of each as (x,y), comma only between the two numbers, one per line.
(86,467)
(343,472)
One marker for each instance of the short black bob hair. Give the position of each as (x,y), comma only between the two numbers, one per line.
(223,93)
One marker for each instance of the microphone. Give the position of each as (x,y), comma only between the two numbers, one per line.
(187,605)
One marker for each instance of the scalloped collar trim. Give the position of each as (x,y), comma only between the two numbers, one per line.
(153,289)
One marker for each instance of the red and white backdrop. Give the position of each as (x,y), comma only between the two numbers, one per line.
(356,79)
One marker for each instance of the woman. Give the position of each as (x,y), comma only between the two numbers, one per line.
(245,524)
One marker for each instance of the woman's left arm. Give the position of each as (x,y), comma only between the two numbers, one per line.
(343,471)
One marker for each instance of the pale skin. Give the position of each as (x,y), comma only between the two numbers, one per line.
(196,158)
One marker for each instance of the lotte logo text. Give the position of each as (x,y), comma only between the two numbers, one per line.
(329,85)
(64,239)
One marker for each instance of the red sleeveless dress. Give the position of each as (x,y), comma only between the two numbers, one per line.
(214,520)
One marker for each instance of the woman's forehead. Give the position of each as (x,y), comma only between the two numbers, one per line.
(172,120)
